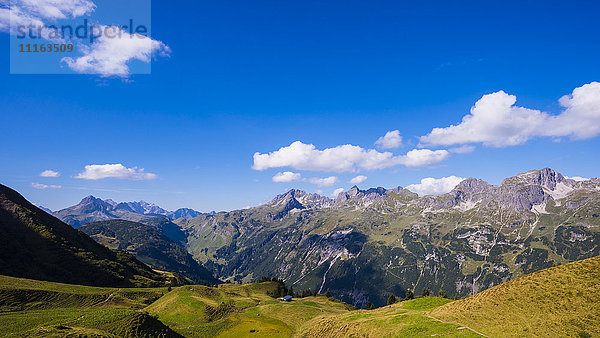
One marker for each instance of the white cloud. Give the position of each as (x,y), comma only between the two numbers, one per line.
(100,171)
(465,149)
(424,157)
(301,156)
(435,186)
(337,192)
(109,56)
(391,140)
(24,13)
(49,173)
(56,9)
(496,121)
(358,179)
(287,176)
(45,186)
(324,182)
(319,191)
(578,178)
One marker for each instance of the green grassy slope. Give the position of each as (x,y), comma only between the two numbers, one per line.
(150,246)
(39,308)
(563,300)
(404,319)
(238,310)
(34,244)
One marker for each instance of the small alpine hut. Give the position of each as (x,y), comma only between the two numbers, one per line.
(286,298)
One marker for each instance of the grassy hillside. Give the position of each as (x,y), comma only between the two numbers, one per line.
(38,308)
(405,319)
(34,244)
(150,246)
(238,310)
(562,300)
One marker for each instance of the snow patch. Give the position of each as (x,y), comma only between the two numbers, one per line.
(468,205)
(560,191)
(539,208)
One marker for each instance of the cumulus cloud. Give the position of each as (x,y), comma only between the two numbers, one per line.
(324,182)
(496,121)
(56,9)
(23,13)
(337,192)
(301,156)
(287,176)
(358,179)
(111,53)
(424,157)
(435,186)
(45,186)
(578,178)
(49,173)
(465,149)
(390,140)
(100,171)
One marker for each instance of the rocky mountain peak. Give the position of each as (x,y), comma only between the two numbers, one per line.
(89,199)
(546,177)
(287,202)
(472,186)
(364,197)
(91,203)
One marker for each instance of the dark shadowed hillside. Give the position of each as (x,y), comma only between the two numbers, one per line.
(150,246)
(34,244)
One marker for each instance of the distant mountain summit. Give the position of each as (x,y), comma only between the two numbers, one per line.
(92,209)
(36,245)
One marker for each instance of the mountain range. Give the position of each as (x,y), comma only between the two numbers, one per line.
(92,209)
(367,244)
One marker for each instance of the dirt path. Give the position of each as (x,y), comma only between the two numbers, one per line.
(109,297)
(445,322)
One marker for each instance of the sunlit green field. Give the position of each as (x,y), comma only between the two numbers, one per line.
(29,307)
(251,310)
(405,319)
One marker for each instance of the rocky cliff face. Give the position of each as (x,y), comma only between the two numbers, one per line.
(367,244)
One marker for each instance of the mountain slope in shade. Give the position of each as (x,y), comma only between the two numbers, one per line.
(36,245)
(92,209)
(44,208)
(150,246)
(563,300)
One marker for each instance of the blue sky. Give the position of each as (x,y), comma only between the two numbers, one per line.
(242,78)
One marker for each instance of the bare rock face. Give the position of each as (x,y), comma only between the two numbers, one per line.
(360,198)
